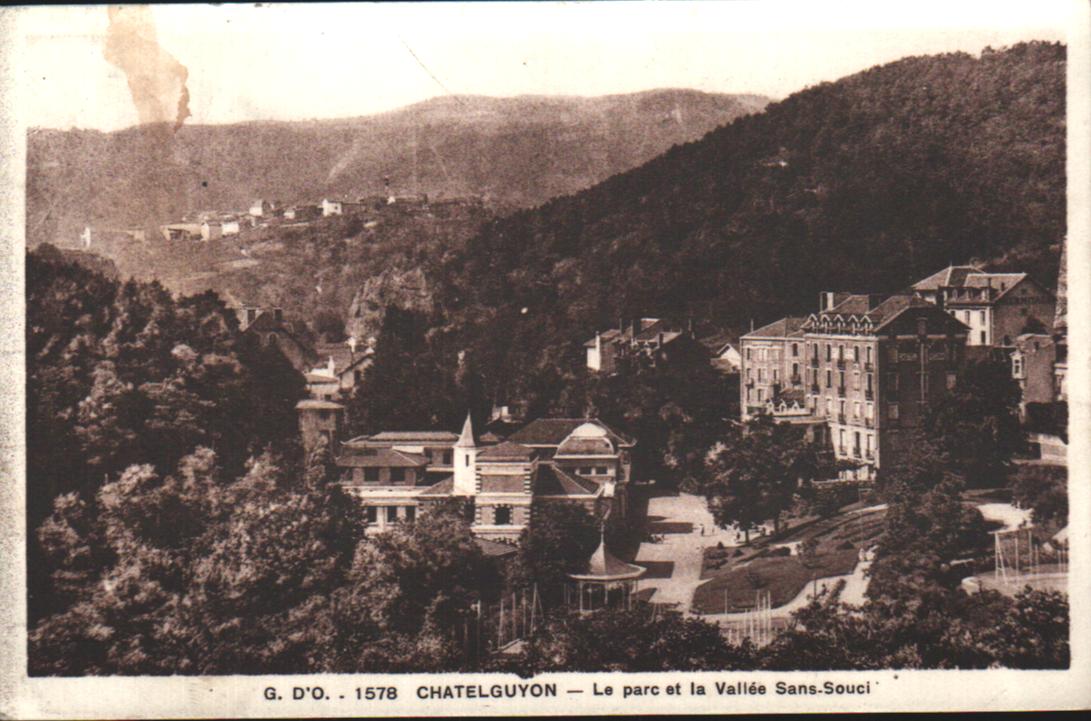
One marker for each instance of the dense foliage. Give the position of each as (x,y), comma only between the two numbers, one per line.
(868,183)
(123,373)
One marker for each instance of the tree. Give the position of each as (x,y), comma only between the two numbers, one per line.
(1043,489)
(330,326)
(630,640)
(976,426)
(559,542)
(753,477)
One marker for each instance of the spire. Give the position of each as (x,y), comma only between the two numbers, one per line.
(466,440)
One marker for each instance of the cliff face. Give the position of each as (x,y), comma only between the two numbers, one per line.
(406,288)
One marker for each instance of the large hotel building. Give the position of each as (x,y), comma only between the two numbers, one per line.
(866,366)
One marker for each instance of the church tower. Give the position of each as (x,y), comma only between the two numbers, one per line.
(466,461)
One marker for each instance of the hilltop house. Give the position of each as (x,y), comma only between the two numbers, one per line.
(269,328)
(651,337)
(398,474)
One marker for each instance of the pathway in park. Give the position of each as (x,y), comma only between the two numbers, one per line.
(674,562)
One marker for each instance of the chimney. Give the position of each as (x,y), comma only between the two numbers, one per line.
(352,345)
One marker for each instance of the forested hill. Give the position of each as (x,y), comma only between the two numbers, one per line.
(518,151)
(869,183)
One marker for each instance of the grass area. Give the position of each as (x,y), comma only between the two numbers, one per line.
(783,577)
(739,577)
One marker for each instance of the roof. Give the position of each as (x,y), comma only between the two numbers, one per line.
(604,566)
(495,549)
(552,431)
(466,439)
(343,357)
(952,275)
(554,481)
(380,458)
(575,446)
(783,328)
(405,436)
(313,404)
(440,489)
(320,378)
(506,451)
(649,329)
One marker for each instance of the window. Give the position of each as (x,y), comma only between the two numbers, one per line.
(841,407)
(761,395)
(814,351)
(447,457)
(856,353)
(391,514)
(795,370)
(601,471)
(856,380)
(869,440)
(841,352)
(397,475)
(470,511)
(795,350)
(867,354)
(747,354)
(372,514)
(892,411)
(749,394)
(502,516)
(776,375)
(467,459)
(982,337)
(981,316)
(840,379)
(829,378)
(869,411)
(829,406)
(829,351)
(856,409)
(952,380)
(410,513)
(761,375)
(371,475)
(867,383)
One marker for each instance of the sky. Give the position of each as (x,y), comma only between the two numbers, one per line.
(279,62)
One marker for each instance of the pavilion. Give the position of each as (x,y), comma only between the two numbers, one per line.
(615,580)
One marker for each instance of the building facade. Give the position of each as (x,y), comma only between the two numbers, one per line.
(772,363)
(873,366)
(398,474)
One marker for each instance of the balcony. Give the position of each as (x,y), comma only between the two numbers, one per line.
(796,380)
(814,362)
(869,366)
(750,384)
(857,452)
(815,388)
(841,391)
(869,395)
(869,454)
(841,418)
(842,451)
(841,363)
(869,423)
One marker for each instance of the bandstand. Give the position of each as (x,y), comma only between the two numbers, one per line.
(608,582)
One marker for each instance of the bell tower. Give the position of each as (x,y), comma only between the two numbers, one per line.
(466,461)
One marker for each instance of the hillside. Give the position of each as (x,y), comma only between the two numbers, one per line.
(518,151)
(867,183)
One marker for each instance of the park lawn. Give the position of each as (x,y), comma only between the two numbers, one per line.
(782,576)
(785,576)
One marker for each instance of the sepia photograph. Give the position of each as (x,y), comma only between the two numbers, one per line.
(531,353)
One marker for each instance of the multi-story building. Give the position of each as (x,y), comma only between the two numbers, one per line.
(873,365)
(772,365)
(396,474)
(1033,366)
(997,307)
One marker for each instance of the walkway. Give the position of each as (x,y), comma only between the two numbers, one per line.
(674,563)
